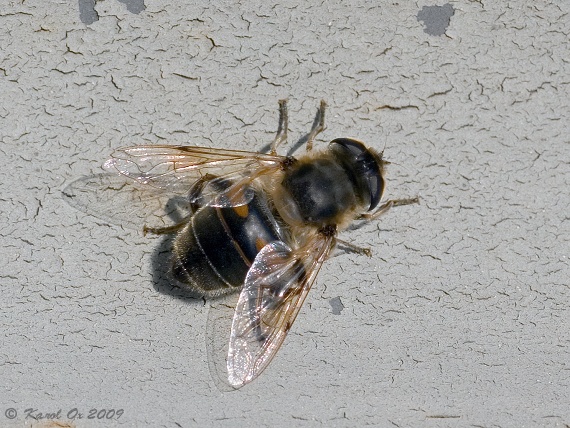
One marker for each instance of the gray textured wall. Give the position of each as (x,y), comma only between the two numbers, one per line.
(461,316)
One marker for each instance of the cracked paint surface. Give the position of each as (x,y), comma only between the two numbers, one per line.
(462,311)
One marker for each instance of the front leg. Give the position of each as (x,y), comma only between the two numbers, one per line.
(382,209)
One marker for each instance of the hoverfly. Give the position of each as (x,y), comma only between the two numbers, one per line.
(260,223)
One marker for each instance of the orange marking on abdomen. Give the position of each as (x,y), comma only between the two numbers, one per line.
(242,211)
(259,244)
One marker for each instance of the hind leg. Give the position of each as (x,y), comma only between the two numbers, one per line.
(318,125)
(281,136)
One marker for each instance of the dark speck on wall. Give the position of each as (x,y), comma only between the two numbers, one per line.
(88,15)
(336,305)
(134,6)
(436,18)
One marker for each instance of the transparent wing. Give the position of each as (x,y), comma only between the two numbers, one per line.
(117,200)
(217,336)
(274,290)
(226,174)
(155,186)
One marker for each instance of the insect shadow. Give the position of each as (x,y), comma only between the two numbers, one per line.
(161,259)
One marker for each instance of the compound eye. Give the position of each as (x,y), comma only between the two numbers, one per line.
(367,166)
(354,147)
(376,186)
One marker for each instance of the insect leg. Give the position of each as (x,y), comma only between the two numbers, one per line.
(318,125)
(355,248)
(405,201)
(193,198)
(168,229)
(281,136)
(387,205)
